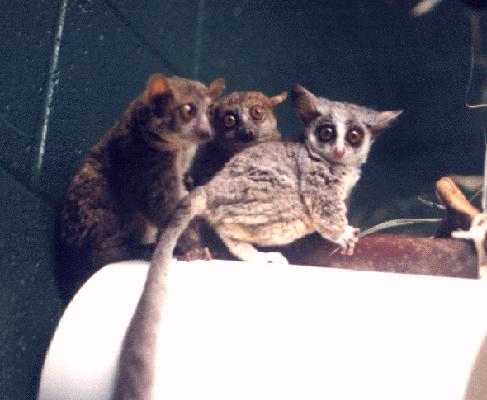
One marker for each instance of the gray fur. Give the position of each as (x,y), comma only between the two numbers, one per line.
(269,194)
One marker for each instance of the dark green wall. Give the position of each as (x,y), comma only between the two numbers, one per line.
(68,69)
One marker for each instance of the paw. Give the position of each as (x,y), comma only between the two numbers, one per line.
(461,234)
(348,239)
(268,257)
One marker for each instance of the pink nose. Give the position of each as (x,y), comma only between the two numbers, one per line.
(338,153)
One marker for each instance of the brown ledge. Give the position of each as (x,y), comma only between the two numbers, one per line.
(390,253)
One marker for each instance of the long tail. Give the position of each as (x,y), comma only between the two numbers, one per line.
(136,369)
(187,209)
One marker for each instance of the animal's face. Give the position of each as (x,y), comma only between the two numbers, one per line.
(178,111)
(339,132)
(242,119)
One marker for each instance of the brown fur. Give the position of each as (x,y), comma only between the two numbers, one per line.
(130,182)
(212,156)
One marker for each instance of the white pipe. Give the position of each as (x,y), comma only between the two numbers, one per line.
(237,331)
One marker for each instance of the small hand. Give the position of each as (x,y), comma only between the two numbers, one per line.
(348,239)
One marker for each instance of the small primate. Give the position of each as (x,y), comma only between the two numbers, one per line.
(132,179)
(240,120)
(270,195)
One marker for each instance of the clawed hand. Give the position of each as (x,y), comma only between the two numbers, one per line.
(348,240)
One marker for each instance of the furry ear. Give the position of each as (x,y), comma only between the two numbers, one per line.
(383,120)
(158,93)
(157,86)
(304,103)
(216,88)
(275,100)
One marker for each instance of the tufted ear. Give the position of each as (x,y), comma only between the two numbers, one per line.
(304,103)
(383,120)
(275,100)
(216,88)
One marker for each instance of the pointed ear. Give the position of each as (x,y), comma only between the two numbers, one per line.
(383,120)
(157,87)
(158,94)
(275,100)
(304,102)
(216,88)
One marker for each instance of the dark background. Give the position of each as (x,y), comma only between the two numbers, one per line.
(68,69)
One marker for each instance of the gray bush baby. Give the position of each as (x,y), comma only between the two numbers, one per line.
(269,194)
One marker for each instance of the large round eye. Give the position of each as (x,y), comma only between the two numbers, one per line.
(326,133)
(257,112)
(187,112)
(355,136)
(229,120)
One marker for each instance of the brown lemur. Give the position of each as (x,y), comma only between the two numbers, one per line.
(132,179)
(240,120)
(269,194)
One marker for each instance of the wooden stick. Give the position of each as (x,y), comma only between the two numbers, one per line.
(460,211)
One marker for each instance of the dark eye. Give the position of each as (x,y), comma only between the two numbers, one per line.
(355,136)
(187,112)
(257,112)
(326,133)
(229,120)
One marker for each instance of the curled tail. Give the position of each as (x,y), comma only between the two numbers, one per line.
(136,366)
